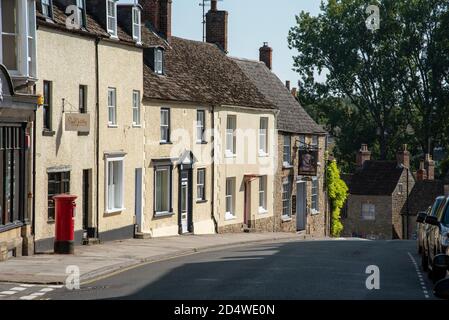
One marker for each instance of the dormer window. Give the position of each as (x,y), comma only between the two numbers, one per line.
(18,37)
(159,61)
(112,17)
(81,5)
(136,25)
(47,9)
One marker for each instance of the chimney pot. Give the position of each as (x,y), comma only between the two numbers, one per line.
(363,155)
(429,166)
(287,84)
(294,92)
(217,27)
(266,55)
(403,157)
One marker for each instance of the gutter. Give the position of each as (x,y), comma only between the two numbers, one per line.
(97,137)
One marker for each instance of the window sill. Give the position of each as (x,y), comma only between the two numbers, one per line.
(51,221)
(48,133)
(230,156)
(263,155)
(201,201)
(112,126)
(83,134)
(314,212)
(137,126)
(165,142)
(201,142)
(263,211)
(229,216)
(163,214)
(287,166)
(286,219)
(112,211)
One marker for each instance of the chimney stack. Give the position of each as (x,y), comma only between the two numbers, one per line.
(287,84)
(165,18)
(294,92)
(429,166)
(150,12)
(266,55)
(403,157)
(217,27)
(421,174)
(159,14)
(363,155)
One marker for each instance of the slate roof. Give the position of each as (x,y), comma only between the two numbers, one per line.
(376,178)
(199,72)
(93,27)
(424,194)
(292,117)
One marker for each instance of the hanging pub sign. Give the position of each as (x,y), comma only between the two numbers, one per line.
(308,162)
(77,122)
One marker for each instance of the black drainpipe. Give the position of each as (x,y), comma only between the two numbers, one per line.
(213,170)
(97,132)
(33,212)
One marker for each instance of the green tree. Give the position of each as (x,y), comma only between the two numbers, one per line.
(338,193)
(394,77)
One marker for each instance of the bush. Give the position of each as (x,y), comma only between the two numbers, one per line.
(338,193)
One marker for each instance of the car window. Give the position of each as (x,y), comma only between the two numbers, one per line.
(445,218)
(436,205)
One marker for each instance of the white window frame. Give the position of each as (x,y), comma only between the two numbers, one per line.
(400,188)
(287,163)
(136,14)
(263,194)
(286,201)
(168,169)
(158,61)
(230,196)
(112,30)
(48,5)
(81,11)
(368,211)
(231,127)
(121,185)
(165,126)
(263,137)
(112,106)
(136,109)
(316,189)
(201,184)
(25,38)
(200,125)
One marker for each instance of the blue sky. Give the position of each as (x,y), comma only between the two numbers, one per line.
(251,22)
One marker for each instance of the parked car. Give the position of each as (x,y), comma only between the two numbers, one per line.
(421,227)
(437,240)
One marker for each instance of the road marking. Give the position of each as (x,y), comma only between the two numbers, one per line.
(27,285)
(56,286)
(8,292)
(37,294)
(47,290)
(18,289)
(28,297)
(418,272)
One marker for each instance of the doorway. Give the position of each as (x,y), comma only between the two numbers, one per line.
(138,199)
(185,202)
(301,208)
(88,232)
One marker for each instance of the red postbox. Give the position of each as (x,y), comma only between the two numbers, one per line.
(65,223)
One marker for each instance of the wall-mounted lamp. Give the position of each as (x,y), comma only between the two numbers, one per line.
(40,100)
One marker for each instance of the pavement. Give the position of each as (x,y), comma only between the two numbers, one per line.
(96,261)
(279,270)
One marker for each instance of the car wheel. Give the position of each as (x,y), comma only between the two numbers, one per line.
(424,261)
(437,274)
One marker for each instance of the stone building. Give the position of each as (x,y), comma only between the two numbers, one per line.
(300,201)
(206,169)
(90,75)
(385,196)
(18,104)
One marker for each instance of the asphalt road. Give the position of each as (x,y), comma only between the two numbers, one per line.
(283,270)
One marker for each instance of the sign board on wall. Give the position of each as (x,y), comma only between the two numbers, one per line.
(79,122)
(308,162)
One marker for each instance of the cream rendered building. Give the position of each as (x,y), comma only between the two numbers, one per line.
(93,71)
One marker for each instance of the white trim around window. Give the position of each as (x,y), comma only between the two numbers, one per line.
(263,137)
(263,194)
(136,15)
(230,199)
(112,107)
(162,191)
(111,17)
(136,109)
(368,211)
(114,184)
(231,127)
(315,205)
